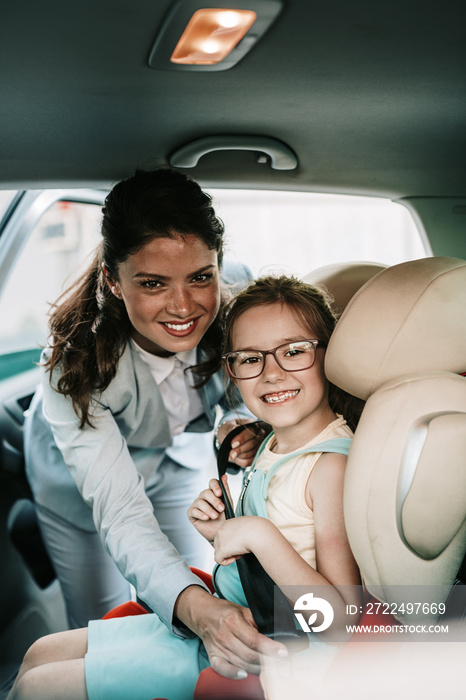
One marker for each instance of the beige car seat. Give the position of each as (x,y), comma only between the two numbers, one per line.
(343,280)
(400,345)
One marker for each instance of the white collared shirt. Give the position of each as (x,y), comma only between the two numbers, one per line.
(182,404)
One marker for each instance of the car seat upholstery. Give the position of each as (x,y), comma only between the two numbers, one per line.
(343,280)
(400,345)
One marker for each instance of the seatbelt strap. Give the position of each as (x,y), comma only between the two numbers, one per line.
(271,611)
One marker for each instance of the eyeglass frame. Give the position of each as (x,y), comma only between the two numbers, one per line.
(264,353)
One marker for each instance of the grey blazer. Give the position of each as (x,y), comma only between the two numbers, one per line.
(94,477)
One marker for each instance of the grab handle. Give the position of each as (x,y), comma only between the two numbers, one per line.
(281,156)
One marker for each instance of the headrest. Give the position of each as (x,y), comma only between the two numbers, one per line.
(343,280)
(407,319)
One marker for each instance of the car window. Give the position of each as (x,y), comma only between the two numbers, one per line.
(269,231)
(53,254)
(6,197)
(296,232)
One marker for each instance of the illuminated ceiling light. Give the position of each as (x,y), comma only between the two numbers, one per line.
(213,35)
(209,46)
(230,18)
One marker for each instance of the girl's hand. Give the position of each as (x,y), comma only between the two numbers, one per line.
(207,511)
(246,444)
(239,536)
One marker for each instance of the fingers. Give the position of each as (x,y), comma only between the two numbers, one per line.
(226,427)
(244,447)
(228,631)
(246,444)
(244,452)
(233,647)
(209,504)
(215,487)
(225,668)
(245,647)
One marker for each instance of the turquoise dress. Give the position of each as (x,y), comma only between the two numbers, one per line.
(138,658)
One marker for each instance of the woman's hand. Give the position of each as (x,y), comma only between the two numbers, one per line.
(228,631)
(246,444)
(239,536)
(207,511)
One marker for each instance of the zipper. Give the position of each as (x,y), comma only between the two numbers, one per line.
(243,491)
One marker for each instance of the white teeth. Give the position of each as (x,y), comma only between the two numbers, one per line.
(179,326)
(278,398)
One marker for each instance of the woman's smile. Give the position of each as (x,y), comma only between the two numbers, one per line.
(179,328)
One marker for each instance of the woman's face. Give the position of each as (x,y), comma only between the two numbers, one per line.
(171,290)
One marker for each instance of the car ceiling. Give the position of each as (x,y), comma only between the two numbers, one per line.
(370,96)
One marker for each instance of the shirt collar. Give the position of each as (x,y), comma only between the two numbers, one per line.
(161,367)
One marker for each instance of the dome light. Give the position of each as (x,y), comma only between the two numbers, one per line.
(211,34)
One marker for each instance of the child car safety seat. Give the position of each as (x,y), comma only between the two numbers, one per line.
(400,345)
(343,280)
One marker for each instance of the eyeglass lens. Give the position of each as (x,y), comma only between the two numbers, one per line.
(246,364)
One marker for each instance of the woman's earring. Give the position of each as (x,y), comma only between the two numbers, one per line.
(116,292)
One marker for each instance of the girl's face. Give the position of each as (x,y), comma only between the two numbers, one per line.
(294,403)
(171,290)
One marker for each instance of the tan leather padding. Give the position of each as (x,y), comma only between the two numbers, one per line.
(433,515)
(434,509)
(400,344)
(408,318)
(343,280)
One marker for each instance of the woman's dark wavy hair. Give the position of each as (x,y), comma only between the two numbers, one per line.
(312,307)
(89,326)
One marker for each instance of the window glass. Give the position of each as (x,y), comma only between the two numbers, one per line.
(53,255)
(297,232)
(269,231)
(6,197)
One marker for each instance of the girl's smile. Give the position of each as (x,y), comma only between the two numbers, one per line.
(279,397)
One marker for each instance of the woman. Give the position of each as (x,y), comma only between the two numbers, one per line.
(117,439)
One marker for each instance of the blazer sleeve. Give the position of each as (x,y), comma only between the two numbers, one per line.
(100,463)
(236,276)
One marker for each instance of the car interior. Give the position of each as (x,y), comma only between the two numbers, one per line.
(309,107)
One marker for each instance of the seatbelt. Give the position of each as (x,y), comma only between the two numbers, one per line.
(269,607)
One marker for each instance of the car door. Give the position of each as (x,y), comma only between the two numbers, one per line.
(45,235)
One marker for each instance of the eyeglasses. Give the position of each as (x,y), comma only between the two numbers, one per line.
(291,357)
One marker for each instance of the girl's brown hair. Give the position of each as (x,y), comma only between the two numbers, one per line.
(312,306)
(89,326)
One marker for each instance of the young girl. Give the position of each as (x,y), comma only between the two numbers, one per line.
(275,339)
(276,334)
